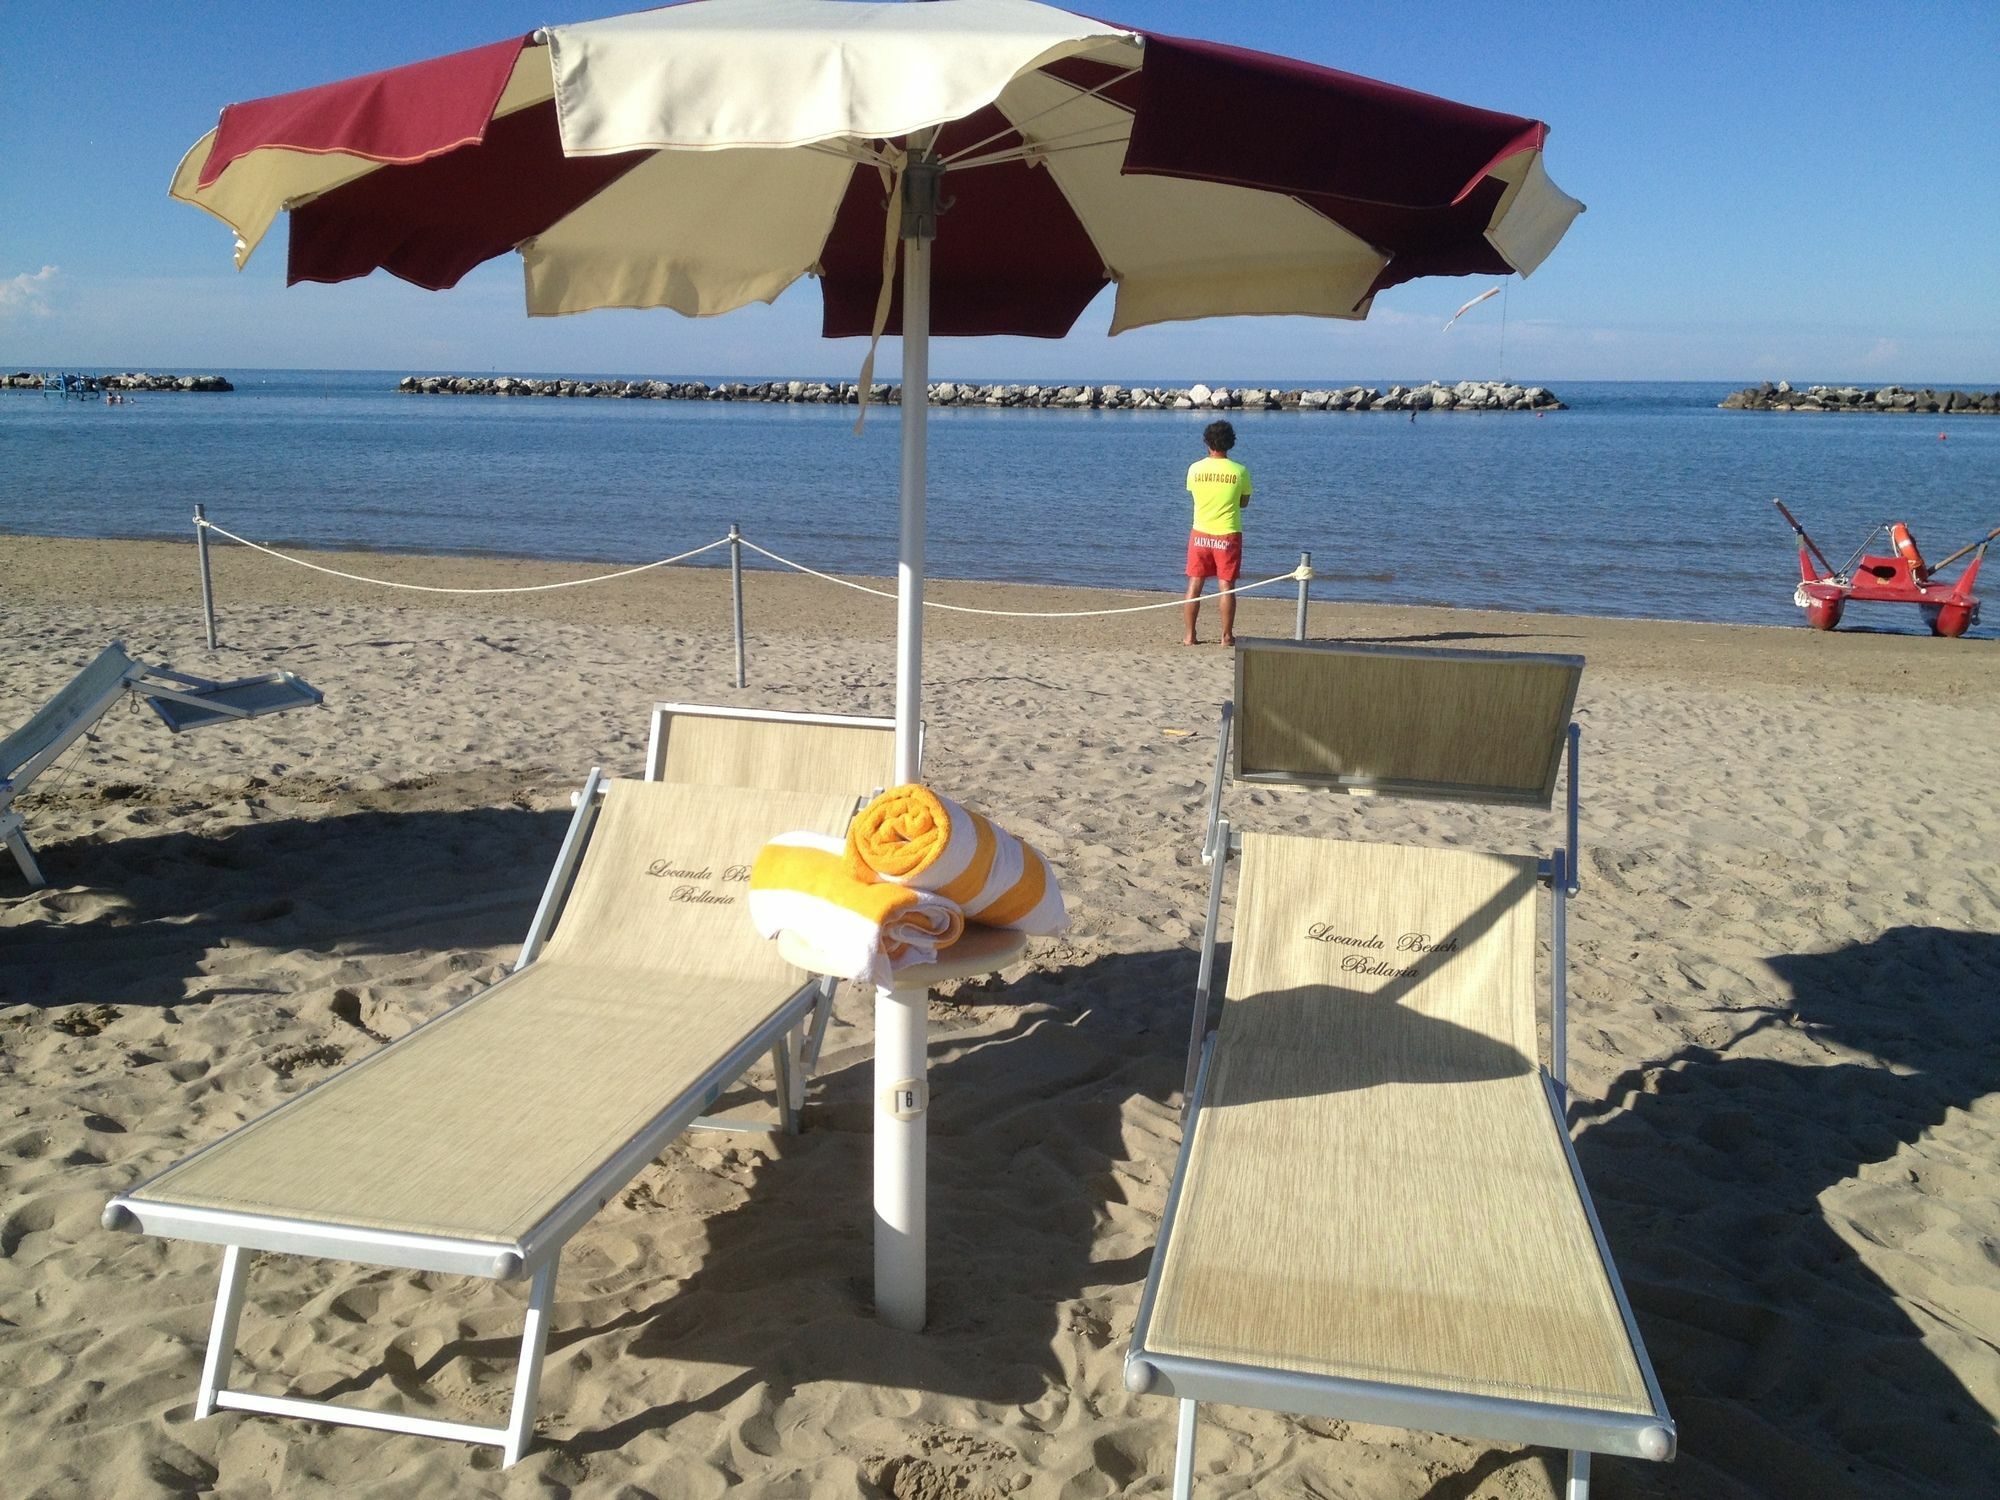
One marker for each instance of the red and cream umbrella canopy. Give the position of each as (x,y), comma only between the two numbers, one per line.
(707,155)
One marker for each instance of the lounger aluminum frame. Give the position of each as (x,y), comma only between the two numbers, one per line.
(1579,1431)
(182,701)
(791,1036)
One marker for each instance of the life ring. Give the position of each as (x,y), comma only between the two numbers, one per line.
(1906,548)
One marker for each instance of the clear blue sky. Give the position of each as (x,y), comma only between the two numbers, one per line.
(1809,192)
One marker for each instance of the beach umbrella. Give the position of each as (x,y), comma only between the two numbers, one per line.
(1021,159)
(707,155)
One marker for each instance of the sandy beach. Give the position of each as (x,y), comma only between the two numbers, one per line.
(1785,1046)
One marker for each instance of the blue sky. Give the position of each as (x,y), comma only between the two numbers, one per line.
(1803,192)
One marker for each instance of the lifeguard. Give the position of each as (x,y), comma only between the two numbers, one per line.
(1221,490)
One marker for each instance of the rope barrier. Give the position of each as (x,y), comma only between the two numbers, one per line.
(202,523)
(427,588)
(1017,614)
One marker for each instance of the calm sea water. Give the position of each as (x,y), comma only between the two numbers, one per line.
(1643,499)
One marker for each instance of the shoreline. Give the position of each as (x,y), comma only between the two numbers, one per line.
(781,605)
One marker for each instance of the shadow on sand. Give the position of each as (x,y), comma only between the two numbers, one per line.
(1791,1367)
(138,914)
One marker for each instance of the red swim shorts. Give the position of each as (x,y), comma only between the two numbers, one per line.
(1217,557)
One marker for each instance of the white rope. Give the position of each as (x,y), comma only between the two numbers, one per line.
(1017,614)
(786,562)
(426,588)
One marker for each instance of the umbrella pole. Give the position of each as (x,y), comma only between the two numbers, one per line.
(910,554)
(902,1096)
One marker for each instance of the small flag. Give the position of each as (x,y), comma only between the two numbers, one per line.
(1492,291)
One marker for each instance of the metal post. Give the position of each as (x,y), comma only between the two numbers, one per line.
(528,1378)
(207,588)
(1184,1453)
(222,1332)
(921,176)
(1305,583)
(1559,970)
(902,1106)
(1578,1485)
(736,592)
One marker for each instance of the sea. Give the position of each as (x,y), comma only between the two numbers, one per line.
(1642,499)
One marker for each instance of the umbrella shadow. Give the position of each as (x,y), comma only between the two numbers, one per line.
(1791,1364)
(1026,1145)
(137,915)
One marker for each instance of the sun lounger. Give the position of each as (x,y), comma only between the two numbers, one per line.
(1377,1215)
(181,701)
(486,1138)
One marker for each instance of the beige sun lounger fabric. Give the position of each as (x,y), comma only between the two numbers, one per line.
(477,1125)
(714,750)
(1395,721)
(1373,1141)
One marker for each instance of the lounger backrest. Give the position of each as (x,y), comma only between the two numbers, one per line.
(88,694)
(663,880)
(698,747)
(1405,721)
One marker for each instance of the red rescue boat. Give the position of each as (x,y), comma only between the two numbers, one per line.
(1898,576)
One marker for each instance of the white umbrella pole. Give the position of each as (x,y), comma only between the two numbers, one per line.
(902,1096)
(910,557)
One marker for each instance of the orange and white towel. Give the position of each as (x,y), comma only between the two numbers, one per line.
(914,837)
(861,929)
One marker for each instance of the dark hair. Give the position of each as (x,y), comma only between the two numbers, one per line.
(1219,436)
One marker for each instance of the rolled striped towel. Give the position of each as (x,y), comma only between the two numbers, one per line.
(913,836)
(863,929)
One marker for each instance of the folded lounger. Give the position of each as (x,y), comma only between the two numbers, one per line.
(1377,1215)
(181,701)
(487,1137)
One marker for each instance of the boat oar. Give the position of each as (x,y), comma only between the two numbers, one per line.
(1968,547)
(1793,521)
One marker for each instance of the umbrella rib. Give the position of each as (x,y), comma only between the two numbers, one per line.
(850,151)
(1034,153)
(1014,127)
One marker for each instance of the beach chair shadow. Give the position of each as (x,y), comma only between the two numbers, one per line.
(1797,1369)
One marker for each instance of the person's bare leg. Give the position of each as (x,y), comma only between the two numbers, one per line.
(1192,610)
(1227,604)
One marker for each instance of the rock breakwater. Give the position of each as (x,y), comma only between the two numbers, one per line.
(1466,395)
(129,381)
(1785,397)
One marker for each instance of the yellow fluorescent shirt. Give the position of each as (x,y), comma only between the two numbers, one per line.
(1219,486)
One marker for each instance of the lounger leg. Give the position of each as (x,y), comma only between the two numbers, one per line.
(1578,1487)
(816,1038)
(222,1332)
(781,1060)
(528,1380)
(1184,1454)
(17,845)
